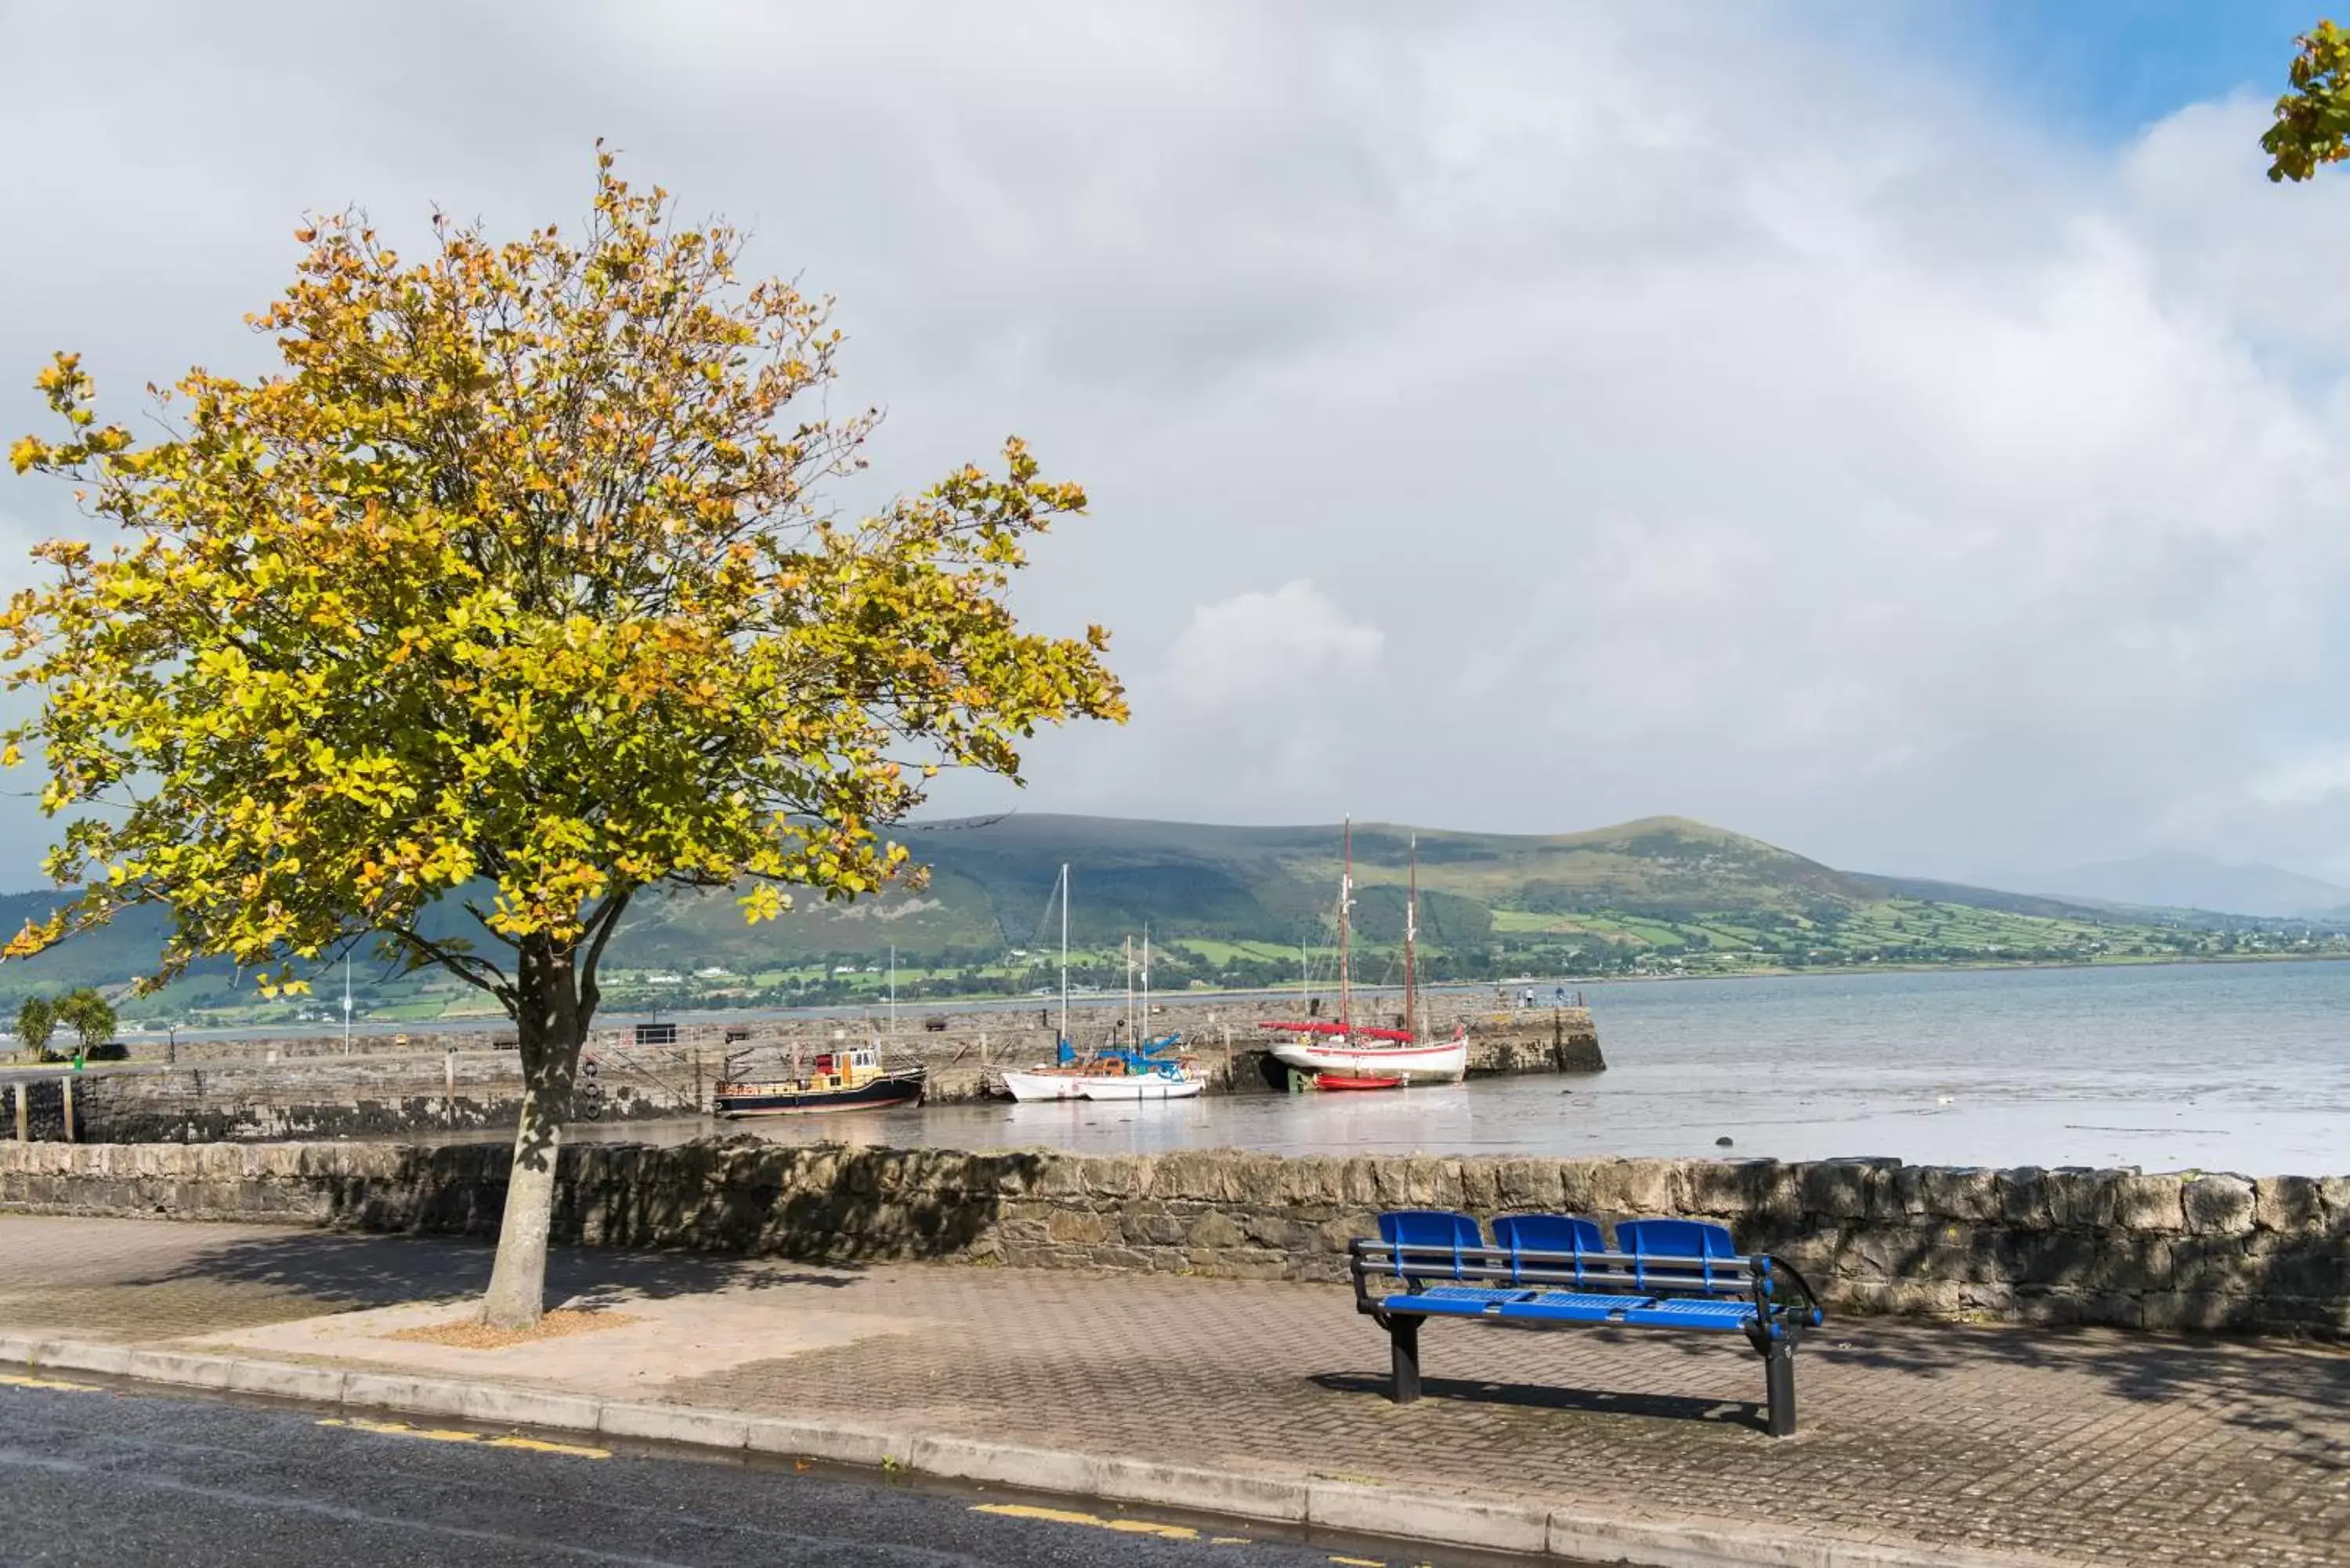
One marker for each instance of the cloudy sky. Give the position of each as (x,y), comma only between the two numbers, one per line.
(1918,441)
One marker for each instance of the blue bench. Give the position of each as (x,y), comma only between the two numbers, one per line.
(1554,1271)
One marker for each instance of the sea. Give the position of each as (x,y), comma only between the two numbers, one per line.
(2240,1067)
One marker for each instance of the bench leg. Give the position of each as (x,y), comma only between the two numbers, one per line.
(1779,1386)
(1403,1358)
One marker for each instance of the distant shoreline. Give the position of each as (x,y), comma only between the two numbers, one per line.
(473,1022)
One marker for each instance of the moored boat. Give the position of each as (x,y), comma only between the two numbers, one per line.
(1150,1071)
(1138,1072)
(843,1081)
(1340,1047)
(1143,1081)
(1035,1083)
(1319,1048)
(1353,1080)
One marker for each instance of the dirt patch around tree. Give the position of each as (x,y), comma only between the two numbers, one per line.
(467,1335)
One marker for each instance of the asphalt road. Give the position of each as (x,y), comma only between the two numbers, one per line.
(103,1476)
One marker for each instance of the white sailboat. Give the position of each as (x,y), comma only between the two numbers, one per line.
(1056,1082)
(1135,1073)
(1340,1049)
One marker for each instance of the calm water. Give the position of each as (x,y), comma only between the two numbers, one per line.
(2240,1067)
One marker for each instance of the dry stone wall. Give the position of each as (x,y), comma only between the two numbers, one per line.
(2108,1247)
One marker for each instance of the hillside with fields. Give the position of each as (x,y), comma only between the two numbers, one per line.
(1228,906)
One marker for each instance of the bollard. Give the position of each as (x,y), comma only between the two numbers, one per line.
(23,1114)
(66,1086)
(449,1077)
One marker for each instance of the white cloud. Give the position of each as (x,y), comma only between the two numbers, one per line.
(1818,452)
(1274,648)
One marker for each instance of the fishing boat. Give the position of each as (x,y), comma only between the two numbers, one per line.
(853,1080)
(1340,1048)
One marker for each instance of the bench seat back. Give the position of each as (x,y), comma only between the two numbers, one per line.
(1537,1240)
(1654,1264)
(1680,1255)
(1430,1244)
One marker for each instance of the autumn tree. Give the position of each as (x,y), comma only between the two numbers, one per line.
(2313,119)
(512,598)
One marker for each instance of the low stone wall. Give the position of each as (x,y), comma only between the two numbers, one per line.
(353,1097)
(2043,1246)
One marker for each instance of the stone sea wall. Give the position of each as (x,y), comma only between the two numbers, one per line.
(2115,1248)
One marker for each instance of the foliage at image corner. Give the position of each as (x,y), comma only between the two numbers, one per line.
(519,572)
(2311,122)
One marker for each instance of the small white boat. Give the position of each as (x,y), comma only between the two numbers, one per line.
(1041,1083)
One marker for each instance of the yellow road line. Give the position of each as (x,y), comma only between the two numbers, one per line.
(1071,1516)
(1362,1561)
(13,1380)
(452,1435)
(541,1446)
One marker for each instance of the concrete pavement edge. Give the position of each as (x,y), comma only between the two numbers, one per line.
(1353,1507)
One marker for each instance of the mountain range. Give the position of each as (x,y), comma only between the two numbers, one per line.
(1227,905)
(2175,880)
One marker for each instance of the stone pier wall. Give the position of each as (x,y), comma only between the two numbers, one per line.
(2116,1248)
(951,1041)
(300,1089)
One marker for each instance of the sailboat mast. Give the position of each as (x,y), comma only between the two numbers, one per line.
(1346,948)
(1145,977)
(1410,941)
(1129,989)
(893,991)
(1065,950)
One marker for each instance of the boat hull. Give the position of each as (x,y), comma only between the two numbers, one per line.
(1348,1081)
(1041,1085)
(1139,1086)
(889,1091)
(1445,1064)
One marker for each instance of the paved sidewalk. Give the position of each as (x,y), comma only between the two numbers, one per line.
(2091,1446)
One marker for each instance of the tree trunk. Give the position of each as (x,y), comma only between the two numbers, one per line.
(550,1028)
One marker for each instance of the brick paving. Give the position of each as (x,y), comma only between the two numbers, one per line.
(2093,1446)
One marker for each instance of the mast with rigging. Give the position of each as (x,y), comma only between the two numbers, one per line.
(1410,941)
(1345,951)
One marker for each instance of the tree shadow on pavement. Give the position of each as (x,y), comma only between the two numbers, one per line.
(354,1271)
(2278,1387)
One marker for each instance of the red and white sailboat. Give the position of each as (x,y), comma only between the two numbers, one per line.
(1337,1048)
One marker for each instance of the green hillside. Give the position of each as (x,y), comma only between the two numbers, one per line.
(1231,906)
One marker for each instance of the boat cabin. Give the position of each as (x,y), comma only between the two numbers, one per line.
(844,1069)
